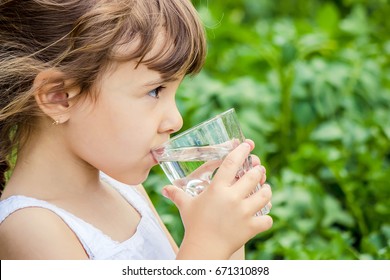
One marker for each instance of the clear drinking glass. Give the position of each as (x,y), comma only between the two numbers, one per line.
(191,158)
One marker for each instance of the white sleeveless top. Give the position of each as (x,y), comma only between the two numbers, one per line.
(149,242)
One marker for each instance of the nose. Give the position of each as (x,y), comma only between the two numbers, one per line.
(172,121)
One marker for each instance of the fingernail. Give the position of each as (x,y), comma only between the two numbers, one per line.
(164,192)
(259,169)
(247,145)
(266,185)
(250,142)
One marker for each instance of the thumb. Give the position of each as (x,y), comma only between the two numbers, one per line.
(176,195)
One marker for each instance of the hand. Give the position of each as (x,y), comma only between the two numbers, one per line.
(222,218)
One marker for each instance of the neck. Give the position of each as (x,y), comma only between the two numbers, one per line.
(48,169)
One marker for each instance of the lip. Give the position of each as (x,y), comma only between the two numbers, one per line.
(155,153)
(153,158)
(158,150)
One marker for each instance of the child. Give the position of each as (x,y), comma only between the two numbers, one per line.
(89,86)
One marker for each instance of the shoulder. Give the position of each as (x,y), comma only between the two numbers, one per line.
(38,233)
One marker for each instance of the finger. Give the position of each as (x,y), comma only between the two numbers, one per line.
(248,183)
(251,143)
(255,160)
(259,199)
(264,178)
(231,164)
(261,223)
(176,195)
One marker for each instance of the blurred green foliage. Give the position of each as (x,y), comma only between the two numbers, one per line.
(310,81)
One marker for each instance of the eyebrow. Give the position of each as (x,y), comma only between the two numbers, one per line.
(160,81)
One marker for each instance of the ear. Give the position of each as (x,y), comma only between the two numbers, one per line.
(52,95)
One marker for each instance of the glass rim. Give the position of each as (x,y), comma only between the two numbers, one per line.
(189,130)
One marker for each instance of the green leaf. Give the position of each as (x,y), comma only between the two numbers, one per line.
(357,22)
(328,18)
(329,131)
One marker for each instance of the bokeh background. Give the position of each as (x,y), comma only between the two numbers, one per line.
(310,81)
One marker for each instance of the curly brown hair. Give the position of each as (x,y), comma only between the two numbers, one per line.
(80,38)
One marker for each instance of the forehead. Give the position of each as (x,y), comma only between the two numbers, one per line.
(160,51)
(159,46)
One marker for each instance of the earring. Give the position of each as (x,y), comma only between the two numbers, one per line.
(55,122)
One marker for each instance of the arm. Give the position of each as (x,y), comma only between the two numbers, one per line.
(36,233)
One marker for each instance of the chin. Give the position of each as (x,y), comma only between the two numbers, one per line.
(139,178)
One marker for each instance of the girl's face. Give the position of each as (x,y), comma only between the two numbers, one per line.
(135,111)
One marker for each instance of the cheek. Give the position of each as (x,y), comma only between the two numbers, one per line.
(115,137)
(112,143)
(119,148)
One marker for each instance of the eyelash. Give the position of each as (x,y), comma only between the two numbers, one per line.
(157,91)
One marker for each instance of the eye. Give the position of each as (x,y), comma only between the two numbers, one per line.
(155,93)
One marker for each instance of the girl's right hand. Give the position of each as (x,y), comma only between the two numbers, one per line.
(222,218)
